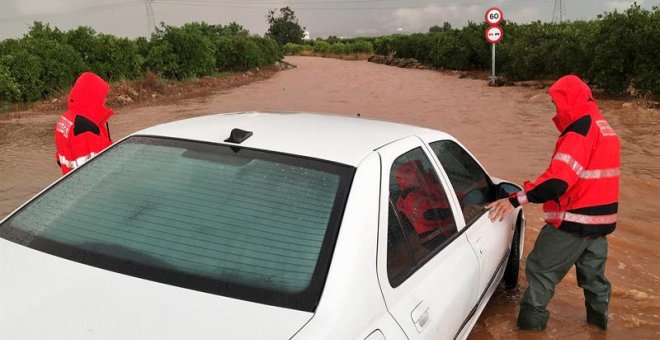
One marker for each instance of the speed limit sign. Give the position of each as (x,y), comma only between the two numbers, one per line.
(494,16)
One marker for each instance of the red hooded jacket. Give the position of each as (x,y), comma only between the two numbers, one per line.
(580,188)
(82,131)
(423,201)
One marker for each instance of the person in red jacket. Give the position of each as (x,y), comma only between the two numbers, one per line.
(82,131)
(423,203)
(579,192)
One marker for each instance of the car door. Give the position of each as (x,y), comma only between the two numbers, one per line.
(427,269)
(473,189)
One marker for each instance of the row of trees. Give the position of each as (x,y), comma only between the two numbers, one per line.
(47,60)
(330,48)
(617,52)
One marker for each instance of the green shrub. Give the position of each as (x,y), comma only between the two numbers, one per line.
(192,49)
(626,51)
(293,49)
(614,52)
(25,71)
(110,57)
(9,91)
(338,48)
(448,51)
(646,69)
(162,60)
(249,52)
(228,53)
(47,60)
(321,46)
(269,51)
(60,63)
(361,46)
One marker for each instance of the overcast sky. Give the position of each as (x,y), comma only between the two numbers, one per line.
(322,18)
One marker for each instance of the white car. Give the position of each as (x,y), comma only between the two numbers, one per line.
(261,226)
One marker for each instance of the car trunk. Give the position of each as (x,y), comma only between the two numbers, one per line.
(44,296)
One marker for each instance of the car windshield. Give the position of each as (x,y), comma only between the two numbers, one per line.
(237,222)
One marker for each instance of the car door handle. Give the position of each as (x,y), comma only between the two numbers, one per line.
(421,315)
(479,246)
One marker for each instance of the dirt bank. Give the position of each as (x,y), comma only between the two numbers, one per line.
(508,128)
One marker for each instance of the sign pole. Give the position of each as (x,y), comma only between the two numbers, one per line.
(493,65)
(493,34)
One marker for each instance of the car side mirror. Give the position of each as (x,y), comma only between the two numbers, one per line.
(505,189)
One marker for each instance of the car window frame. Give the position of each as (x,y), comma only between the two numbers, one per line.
(395,281)
(406,145)
(427,142)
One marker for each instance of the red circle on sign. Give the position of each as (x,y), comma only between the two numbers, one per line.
(494,16)
(494,34)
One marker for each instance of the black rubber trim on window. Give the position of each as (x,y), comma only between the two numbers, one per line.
(403,276)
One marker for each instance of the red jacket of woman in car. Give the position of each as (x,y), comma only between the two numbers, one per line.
(580,188)
(82,132)
(422,200)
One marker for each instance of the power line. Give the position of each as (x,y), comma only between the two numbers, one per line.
(87,9)
(320,5)
(322,2)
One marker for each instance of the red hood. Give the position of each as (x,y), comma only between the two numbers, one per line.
(406,175)
(87,98)
(573,100)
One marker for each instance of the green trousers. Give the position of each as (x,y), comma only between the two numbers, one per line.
(554,253)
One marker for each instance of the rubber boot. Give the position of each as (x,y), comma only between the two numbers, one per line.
(597,319)
(532,319)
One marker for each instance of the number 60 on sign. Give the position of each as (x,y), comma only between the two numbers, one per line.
(494,16)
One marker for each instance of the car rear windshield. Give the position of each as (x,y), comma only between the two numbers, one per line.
(237,222)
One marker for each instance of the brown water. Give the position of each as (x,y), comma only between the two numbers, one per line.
(508,129)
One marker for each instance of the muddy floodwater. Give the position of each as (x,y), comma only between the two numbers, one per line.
(507,128)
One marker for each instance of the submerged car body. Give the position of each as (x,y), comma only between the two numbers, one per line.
(261,226)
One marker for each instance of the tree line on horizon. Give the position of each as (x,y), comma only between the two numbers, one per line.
(617,52)
(46,61)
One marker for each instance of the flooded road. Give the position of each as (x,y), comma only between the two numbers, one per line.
(508,129)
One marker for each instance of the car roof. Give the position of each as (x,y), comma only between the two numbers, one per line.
(341,139)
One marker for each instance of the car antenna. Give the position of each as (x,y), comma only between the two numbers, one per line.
(238,136)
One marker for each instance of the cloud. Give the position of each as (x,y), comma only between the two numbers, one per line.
(38,7)
(621,5)
(526,14)
(367,31)
(420,19)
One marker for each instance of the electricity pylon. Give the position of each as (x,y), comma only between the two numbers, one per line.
(151,21)
(558,13)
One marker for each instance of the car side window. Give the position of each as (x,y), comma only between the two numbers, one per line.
(399,255)
(419,212)
(472,185)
